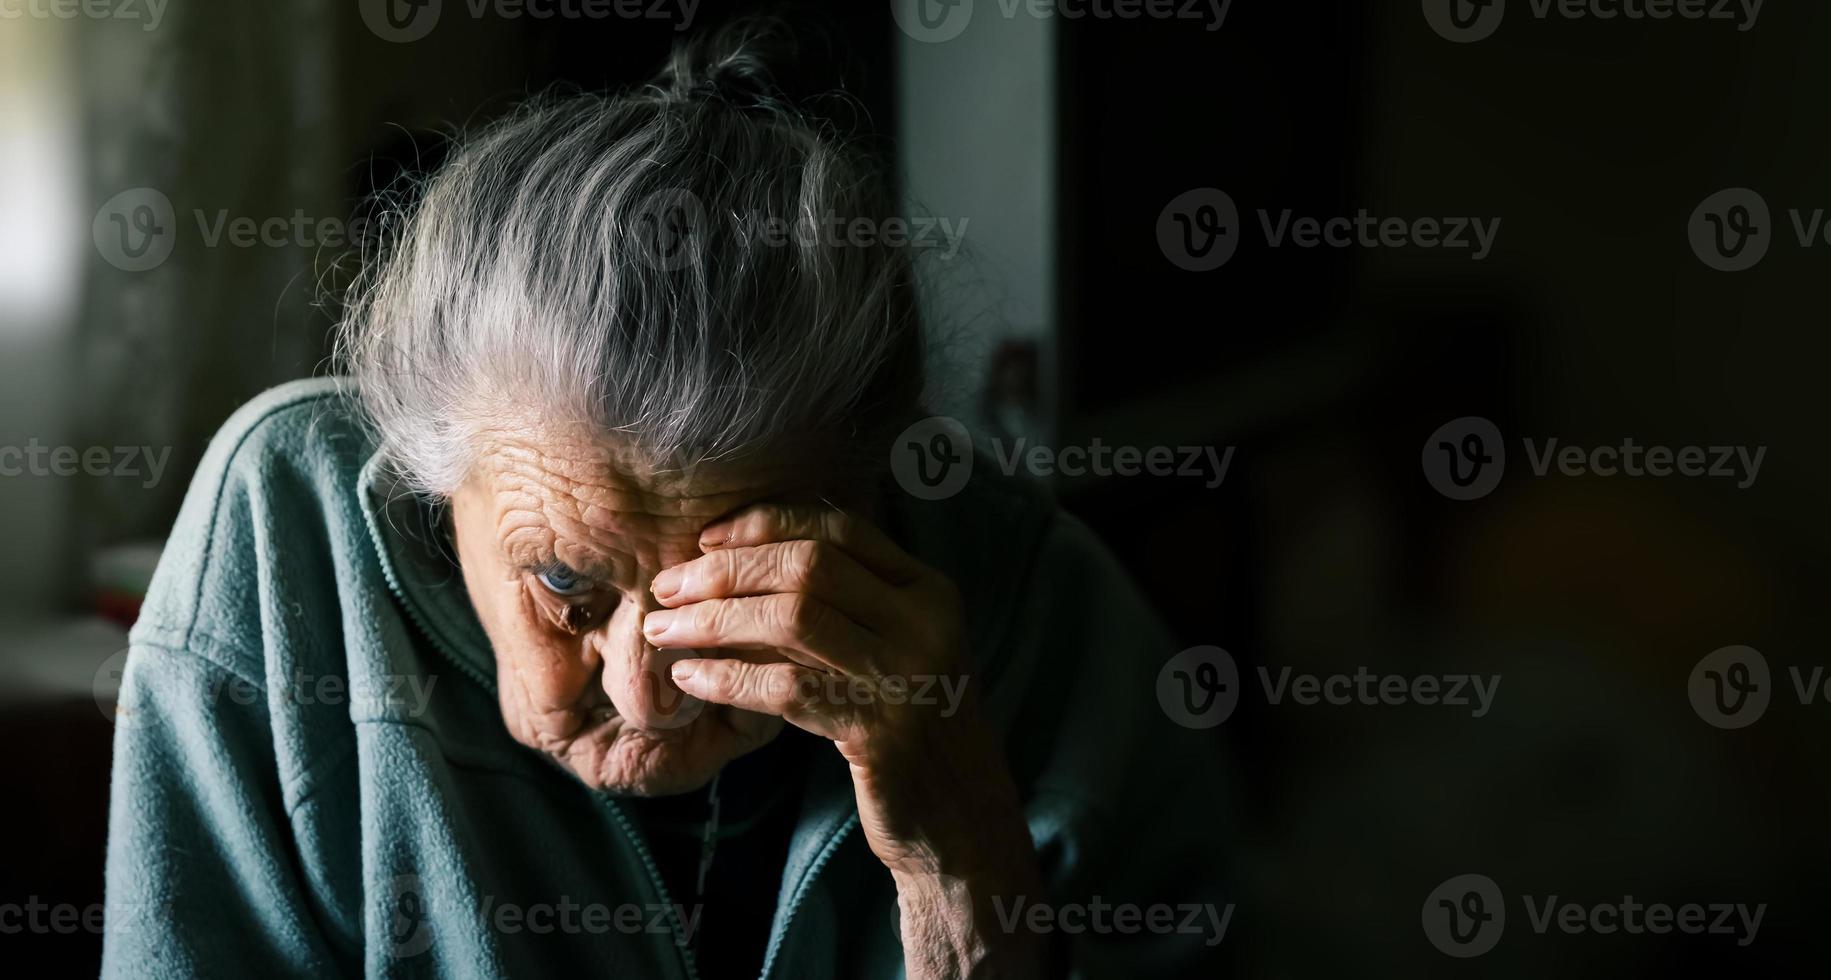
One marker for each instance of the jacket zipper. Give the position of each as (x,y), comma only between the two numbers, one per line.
(794,900)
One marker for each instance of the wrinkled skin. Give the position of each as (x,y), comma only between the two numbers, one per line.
(697,612)
(576,678)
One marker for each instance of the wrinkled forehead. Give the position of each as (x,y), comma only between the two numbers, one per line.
(603,509)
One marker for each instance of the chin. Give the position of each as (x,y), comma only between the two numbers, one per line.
(615,757)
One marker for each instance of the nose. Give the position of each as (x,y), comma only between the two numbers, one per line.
(636,676)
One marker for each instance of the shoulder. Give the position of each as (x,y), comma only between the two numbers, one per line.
(276,489)
(295,420)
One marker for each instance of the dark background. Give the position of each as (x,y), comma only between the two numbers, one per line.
(1325,549)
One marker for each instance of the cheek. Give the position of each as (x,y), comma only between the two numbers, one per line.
(553,667)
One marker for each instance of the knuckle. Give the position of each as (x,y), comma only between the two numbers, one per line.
(721,572)
(835,525)
(801,561)
(751,682)
(798,617)
(806,694)
(708,616)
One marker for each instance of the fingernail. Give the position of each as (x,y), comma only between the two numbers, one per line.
(682,669)
(666,583)
(717,534)
(657,622)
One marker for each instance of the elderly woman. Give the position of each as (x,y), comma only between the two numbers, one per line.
(581,630)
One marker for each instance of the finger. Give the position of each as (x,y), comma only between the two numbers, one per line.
(804,628)
(804,565)
(788,691)
(763,523)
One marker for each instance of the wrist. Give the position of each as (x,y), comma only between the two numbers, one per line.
(955,926)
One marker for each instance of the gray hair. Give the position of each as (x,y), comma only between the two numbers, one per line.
(593,259)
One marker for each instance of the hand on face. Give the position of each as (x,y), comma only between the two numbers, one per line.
(829,625)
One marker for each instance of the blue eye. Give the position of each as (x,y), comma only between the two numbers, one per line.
(560,580)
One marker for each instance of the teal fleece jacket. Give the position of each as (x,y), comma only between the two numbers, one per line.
(312,778)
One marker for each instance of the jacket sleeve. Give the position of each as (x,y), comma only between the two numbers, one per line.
(205,873)
(202,874)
